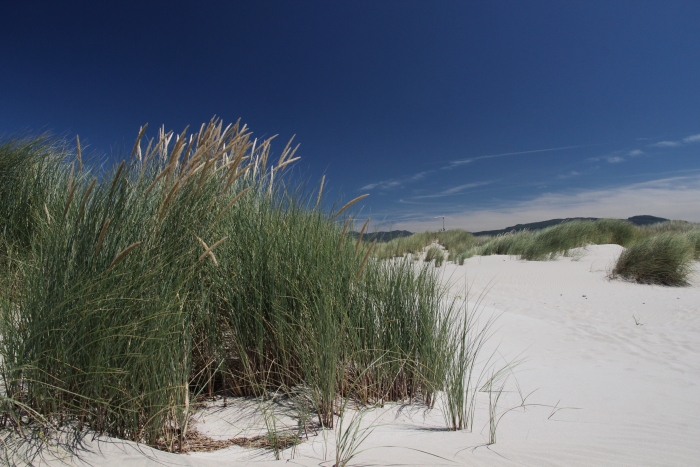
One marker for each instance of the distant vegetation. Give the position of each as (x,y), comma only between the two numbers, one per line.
(659,253)
(664,259)
(383,236)
(636,220)
(189,270)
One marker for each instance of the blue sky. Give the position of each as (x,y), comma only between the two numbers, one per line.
(491,113)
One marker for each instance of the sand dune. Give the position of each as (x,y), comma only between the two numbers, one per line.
(604,390)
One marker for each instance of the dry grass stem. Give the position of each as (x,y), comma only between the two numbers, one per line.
(162,173)
(137,144)
(320,191)
(79,153)
(122,254)
(203,176)
(287,156)
(235,177)
(350,203)
(177,150)
(231,203)
(85,198)
(185,158)
(342,235)
(287,162)
(103,231)
(359,237)
(116,178)
(175,187)
(206,247)
(185,175)
(364,260)
(209,251)
(147,152)
(71,192)
(282,158)
(70,177)
(48,216)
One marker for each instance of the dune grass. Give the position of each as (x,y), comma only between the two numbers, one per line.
(664,259)
(656,253)
(400,247)
(436,254)
(529,245)
(559,239)
(453,240)
(193,269)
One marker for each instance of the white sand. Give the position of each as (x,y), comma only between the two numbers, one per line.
(626,394)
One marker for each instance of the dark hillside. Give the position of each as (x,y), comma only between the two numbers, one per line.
(646,220)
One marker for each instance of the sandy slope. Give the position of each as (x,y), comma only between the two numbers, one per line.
(625,394)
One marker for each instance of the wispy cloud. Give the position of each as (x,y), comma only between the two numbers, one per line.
(673,198)
(386,184)
(666,144)
(571,174)
(635,153)
(459,162)
(399,182)
(394,182)
(675,144)
(614,157)
(455,190)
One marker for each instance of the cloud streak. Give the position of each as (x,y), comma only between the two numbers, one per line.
(674,144)
(455,190)
(570,174)
(459,162)
(394,183)
(666,144)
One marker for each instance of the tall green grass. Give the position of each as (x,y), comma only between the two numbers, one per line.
(192,269)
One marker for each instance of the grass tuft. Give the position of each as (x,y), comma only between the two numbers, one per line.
(94,336)
(664,259)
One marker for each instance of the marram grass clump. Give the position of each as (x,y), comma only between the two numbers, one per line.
(664,259)
(190,270)
(435,253)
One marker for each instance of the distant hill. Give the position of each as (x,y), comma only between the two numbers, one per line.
(636,220)
(646,220)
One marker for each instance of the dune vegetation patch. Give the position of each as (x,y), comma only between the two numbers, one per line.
(660,253)
(664,259)
(192,269)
